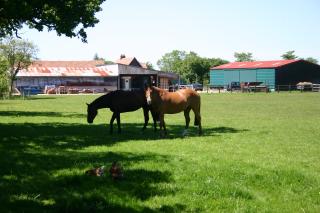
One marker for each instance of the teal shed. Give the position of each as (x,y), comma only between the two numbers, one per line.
(270,73)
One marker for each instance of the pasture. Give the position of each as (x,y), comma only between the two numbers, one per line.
(258,153)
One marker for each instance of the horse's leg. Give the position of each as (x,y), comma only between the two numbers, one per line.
(118,122)
(161,116)
(197,120)
(164,127)
(187,117)
(111,122)
(146,117)
(154,117)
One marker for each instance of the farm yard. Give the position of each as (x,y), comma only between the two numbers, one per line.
(258,153)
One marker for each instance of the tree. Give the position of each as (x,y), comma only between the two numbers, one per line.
(69,18)
(107,62)
(190,66)
(312,60)
(289,55)
(4,83)
(149,66)
(213,62)
(171,61)
(18,55)
(240,57)
(97,57)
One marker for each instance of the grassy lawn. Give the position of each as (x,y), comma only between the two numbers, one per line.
(259,153)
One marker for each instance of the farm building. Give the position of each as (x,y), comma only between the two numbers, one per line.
(77,76)
(269,73)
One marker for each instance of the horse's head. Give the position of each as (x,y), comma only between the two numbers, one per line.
(148,92)
(92,113)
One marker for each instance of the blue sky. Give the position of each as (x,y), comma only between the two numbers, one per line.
(148,29)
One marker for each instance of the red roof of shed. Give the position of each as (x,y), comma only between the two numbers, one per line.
(254,64)
(67,68)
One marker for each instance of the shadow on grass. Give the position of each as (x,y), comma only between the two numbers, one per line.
(77,136)
(43,168)
(54,179)
(36,113)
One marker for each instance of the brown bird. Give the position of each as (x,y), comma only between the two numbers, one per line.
(95,171)
(116,171)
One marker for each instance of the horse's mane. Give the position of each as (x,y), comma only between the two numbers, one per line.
(107,99)
(159,90)
(102,101)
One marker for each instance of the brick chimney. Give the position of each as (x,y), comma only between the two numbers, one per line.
(122,56)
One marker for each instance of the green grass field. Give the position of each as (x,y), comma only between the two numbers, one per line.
(259,153)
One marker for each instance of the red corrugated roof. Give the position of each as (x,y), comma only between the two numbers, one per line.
(83,64)
(67,68)
(254,64)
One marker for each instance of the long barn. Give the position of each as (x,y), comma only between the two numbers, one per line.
(73,76)
(270,73)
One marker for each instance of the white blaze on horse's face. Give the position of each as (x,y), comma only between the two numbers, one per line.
(148,96)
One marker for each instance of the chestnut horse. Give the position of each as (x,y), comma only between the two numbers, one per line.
(121,101)
(164,102)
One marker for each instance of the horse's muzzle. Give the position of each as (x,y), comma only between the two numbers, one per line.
(149,101)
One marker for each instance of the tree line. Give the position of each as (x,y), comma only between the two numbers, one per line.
(71,18)
(17,54)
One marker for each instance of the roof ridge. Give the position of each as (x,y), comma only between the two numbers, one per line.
(255,64)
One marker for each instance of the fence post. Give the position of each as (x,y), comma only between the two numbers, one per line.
(278,88)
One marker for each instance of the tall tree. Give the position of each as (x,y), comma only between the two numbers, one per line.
(190,66)
(171,61)
(240,57)
(4,80)
(96,57)
(289,55)
(70,17)
(18,54)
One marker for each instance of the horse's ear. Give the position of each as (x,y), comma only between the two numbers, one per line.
(87,104)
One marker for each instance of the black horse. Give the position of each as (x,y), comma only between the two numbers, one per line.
(120,101)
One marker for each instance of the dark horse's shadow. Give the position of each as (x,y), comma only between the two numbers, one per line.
(77,136)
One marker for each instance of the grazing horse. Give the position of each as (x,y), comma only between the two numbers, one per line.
(164,102)
(121,101)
